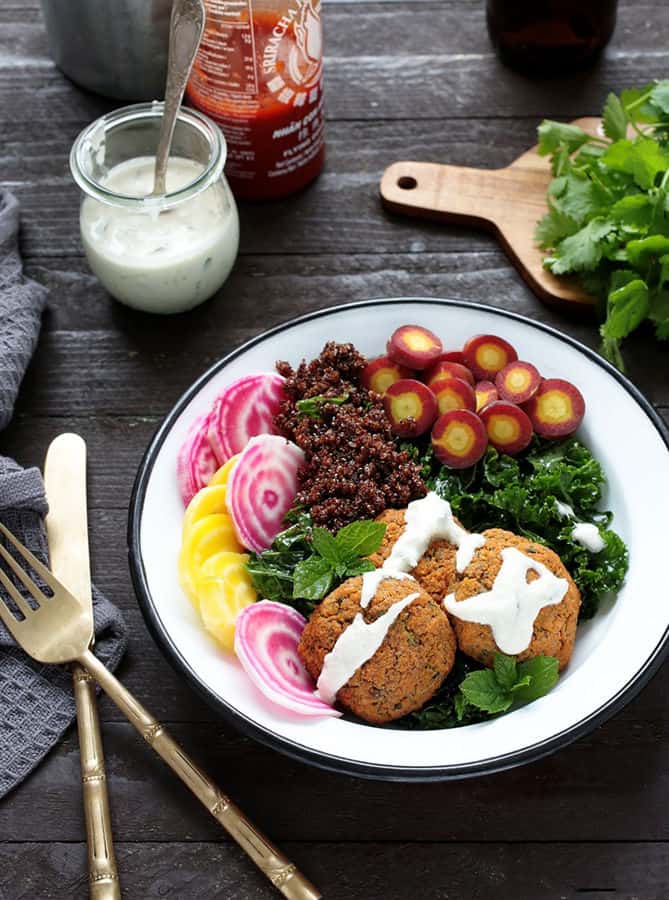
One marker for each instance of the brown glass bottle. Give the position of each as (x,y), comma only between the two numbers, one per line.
(548,37)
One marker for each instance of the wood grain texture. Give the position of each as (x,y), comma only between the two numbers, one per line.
(405,80)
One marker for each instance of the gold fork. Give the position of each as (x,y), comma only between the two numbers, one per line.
(59,631)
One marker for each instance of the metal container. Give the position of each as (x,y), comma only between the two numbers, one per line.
(117,48)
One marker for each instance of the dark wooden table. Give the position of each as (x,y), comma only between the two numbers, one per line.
(404,80)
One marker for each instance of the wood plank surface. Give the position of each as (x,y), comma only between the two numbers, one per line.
(405,80)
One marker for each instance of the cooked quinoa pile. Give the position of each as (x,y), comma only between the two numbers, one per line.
(353,468)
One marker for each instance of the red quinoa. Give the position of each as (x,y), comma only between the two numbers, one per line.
(353,469)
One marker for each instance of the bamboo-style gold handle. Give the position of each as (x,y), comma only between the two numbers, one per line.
(281,872)
(102,867)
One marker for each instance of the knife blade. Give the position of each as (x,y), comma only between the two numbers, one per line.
(67,537)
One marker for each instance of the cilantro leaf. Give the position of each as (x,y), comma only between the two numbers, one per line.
(582,250)
(614,118)
(627,307)
(554,226)
(359,539)
(553,134)
(660,96)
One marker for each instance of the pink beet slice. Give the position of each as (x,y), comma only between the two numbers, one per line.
(262,488)
(196,462)
(518,381)
(557,408)
(244,409)
(266,639)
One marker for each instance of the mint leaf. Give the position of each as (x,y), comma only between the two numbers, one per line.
(359,567)
(543,674)
(551,134)
(614,118)
(482,690)
(505,670)
(325,544)
(582,250)
(312,578)
(359,539)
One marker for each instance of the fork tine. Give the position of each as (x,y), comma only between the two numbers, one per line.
(28,583)
(37,566)
(20,601)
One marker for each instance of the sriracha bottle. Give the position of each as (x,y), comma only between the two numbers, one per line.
(258,73)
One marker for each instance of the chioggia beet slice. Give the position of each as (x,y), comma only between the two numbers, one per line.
(459,438)
(509,428)
(244,409)
(410,406)
(262,488)
(380,373)
(557,408)
(453,393)
(414,347)
(518,381)
(485,392)
(196,462)
(487,354)
(444,368)
(266,639)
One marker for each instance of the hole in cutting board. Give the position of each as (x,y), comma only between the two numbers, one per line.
(407,182)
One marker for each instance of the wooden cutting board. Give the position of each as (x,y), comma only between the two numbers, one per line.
(508,201)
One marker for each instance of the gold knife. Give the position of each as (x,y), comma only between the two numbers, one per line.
(67,535)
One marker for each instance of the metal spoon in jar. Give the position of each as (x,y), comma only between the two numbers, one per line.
(186,27)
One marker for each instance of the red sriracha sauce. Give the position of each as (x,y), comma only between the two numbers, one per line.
(258,74)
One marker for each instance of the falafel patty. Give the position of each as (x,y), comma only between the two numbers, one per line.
(554,630)
(416,655)
(436,570)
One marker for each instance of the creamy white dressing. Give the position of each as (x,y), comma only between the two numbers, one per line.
(372,580)
(513,604)
(155,258)
(354,646)
(428,520)
(584,533)
(587,535)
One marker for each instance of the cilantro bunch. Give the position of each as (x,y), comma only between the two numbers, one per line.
(305,562)
(608,211)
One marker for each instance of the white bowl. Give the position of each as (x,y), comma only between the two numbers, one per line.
(616,652)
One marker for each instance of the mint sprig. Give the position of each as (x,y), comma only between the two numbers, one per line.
(508,683)
(337,556)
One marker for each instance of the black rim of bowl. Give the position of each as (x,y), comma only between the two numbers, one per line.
(329,761)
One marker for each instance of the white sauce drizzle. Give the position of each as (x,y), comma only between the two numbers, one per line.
(587,535)
(354,646)
(372,580)
(584,533)
(513,604)
(428,520)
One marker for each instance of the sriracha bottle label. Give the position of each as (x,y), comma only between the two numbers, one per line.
(258,73)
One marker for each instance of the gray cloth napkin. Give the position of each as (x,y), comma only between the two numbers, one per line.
(36,702)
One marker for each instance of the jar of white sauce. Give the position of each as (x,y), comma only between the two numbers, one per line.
(160,254)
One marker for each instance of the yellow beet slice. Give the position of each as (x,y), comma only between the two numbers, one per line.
(211,534)
(222,475)
(224,588)
(208,501)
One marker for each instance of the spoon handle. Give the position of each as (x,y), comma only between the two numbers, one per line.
(186,27)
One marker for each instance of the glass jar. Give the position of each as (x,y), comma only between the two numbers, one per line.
(551,37)
(161,254)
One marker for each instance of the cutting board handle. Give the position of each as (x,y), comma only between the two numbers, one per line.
(435,191)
